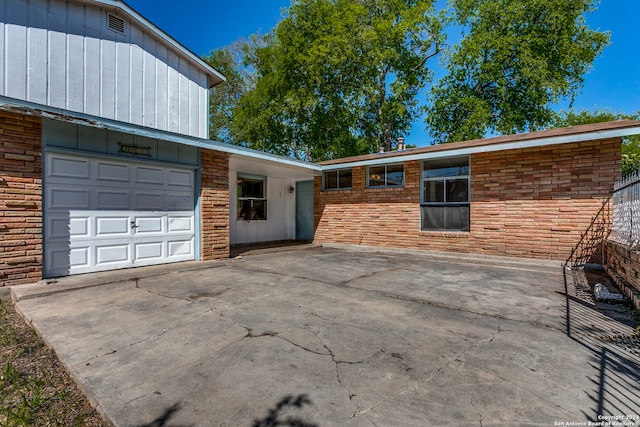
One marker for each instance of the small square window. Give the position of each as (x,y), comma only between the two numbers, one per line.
(386,176)
(252,203)
(337,179)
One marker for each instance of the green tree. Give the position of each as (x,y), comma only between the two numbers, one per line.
(516,59)
(339,77)
(630,144)
(224,97)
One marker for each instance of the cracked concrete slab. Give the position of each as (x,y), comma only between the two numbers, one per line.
(319,337)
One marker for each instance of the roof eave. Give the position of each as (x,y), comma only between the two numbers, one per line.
(29,108)
(467,150)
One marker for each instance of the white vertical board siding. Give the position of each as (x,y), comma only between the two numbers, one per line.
(149,78)
(92,76)
(123,71)
(37,50)
(108,79)
(62,54)
(281,212)
(16,49)
(2,51)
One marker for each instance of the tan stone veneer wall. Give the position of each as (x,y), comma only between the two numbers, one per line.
(20,199)
(214,205)
(623,265)
(533,202)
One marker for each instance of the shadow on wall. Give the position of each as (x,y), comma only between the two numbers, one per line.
(589,249)
(615,346)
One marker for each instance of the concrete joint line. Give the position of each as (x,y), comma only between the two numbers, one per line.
(345,283)
(460,309)
(278,273)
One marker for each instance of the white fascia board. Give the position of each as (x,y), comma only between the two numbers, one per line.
(29,108)
(119,5)
(556,140)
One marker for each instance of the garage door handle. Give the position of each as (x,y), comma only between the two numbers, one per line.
(133,225)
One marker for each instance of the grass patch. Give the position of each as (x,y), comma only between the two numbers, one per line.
(35,388)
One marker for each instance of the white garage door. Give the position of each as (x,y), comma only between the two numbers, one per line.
(109,214)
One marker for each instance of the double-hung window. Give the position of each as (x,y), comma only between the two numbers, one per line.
(385,176)
(445,194)
(252,199)
(337,179)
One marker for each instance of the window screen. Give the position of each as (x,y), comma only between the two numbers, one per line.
(445,194)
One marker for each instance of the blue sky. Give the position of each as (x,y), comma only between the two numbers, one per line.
(612,84)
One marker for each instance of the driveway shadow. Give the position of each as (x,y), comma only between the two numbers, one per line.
(610,336)
(288,402)
(163,419)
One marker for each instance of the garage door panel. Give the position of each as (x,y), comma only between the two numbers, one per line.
(62,198)
(110,200)
(79,257)
(79,227)
(146,175)
(180,248)
(179,224)
(148,201)
(149,251)
(64,227)
(63,167)
(112,226)
(112,253)
(107,171)
(62,259)
(180,202)
(180,179)
(148,225)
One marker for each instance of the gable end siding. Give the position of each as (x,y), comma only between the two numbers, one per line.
(63,55)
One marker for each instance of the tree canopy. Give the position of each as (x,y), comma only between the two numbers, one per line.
(515,60)
(339,77)
(345,77)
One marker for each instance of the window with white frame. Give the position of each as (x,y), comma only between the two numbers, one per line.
(252,199)
(445,194)
(337,180)
(385,175)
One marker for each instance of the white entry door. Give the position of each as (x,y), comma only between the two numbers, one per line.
(103,214)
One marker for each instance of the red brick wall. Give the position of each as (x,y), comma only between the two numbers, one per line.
(533,202)
(20,199)
(215,205)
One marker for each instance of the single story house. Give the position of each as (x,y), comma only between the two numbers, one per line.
(105,164)
(528,195)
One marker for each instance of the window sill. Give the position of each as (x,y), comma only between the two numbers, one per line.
(446,234)
(374,189)
(337,190)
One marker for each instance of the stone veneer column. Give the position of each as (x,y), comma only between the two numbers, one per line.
(20,199)
(214,202)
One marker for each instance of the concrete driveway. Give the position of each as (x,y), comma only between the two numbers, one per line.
(333,337)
